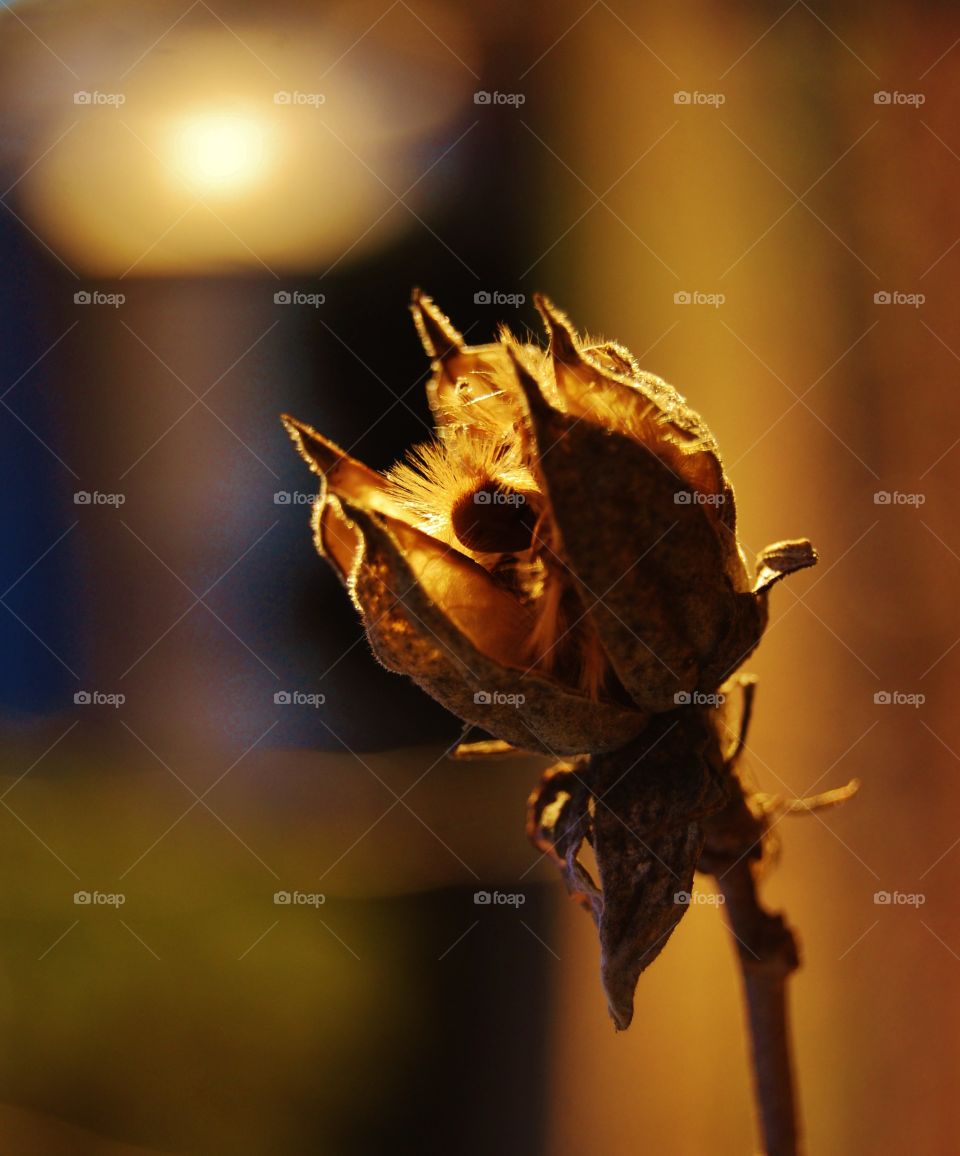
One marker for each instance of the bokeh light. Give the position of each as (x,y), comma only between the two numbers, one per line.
(220,151)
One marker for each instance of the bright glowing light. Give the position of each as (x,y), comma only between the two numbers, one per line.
(221,152)
(209,169)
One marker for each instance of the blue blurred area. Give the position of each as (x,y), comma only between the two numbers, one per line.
(97,599)
(34,491)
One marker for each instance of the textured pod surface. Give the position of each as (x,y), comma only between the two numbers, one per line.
(569,541)
(650,568)
(418,607)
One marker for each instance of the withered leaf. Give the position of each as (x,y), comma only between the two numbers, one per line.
(642,809)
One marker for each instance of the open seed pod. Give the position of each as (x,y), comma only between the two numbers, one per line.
(561,562)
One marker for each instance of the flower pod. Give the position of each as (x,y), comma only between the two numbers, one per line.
(561,562)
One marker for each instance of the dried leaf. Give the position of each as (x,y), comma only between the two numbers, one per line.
(642,809)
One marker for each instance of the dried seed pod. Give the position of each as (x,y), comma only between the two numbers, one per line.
(560,567)
(561,563)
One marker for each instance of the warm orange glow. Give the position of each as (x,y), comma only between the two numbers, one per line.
(220,152)
(243,149)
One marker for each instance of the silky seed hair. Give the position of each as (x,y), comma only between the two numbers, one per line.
(439,474)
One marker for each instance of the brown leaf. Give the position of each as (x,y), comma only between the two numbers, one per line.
(642,809)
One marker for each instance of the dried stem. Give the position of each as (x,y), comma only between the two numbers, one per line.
(767,951)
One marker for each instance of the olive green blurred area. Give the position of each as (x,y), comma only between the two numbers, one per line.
(755,200)
(183,1007)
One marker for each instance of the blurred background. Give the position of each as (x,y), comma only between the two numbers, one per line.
(215,212)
